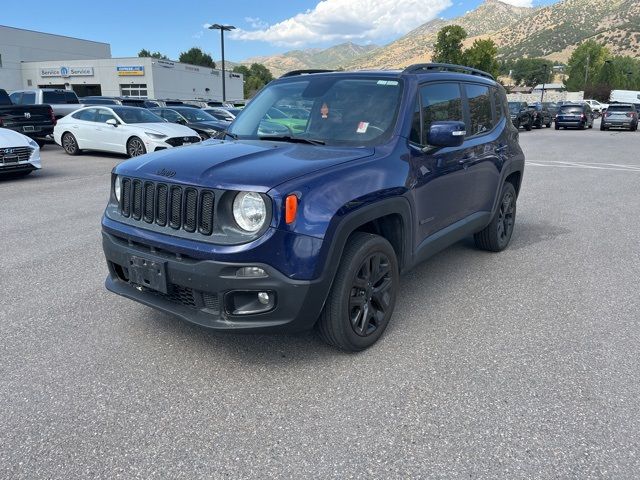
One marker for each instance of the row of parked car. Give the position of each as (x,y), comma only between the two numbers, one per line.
(579,115)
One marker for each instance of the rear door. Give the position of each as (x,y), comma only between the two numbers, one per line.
(442,189)
(485,146)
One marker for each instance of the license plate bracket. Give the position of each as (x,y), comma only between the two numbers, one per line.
(148,273)
(28,128)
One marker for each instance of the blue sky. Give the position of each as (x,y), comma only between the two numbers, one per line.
(265,27)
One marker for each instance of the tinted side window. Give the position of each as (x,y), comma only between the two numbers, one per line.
(415,136)
(171,115)
(87,115)
(16,98)
(479,109)
(103,115)
(500,104)
(440,102)
(71,97)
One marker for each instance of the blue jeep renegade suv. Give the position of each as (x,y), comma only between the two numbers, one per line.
(326,188)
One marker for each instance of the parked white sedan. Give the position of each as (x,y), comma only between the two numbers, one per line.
(19,154)
(130,130)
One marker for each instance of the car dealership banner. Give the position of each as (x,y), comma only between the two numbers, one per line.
(130,71)
(67,72)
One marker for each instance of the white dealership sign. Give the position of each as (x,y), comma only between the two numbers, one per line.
(67,72)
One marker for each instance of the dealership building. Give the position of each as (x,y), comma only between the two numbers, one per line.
(33,59)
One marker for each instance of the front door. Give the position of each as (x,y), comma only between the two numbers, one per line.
(442,187)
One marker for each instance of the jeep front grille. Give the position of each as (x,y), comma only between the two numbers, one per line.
(171,206)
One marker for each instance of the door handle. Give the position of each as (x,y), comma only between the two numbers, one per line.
(465,161)
(501,149)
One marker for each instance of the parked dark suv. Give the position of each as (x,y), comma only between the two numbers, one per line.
(541,115)
(276,230)
(520,115)
(575,115)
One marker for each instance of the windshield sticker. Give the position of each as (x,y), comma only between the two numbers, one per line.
(391,83)
(324,111)
(362,127)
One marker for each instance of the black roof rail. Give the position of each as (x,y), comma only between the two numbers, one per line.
(445,67)
(293,73)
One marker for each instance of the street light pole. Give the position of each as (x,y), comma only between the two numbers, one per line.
(544,78)
(222,28)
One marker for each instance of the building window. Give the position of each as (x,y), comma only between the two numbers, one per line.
(138,90)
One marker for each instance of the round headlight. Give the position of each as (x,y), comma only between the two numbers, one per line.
(117,187)
(249,211)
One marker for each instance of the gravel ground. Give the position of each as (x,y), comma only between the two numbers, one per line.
(522,364)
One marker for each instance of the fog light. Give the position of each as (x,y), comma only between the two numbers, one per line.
(251,272)
(239,302)
(263,298)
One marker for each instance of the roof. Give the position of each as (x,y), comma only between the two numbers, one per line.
(550,86)
(54,35)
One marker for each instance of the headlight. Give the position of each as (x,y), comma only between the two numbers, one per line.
(249,211)
(33,143)
(155,136)
(117,187)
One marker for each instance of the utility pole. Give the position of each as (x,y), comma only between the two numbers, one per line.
(544,79)
(586,71)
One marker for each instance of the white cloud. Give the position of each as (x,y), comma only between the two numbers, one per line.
(256,23)
(345,20)
(519,3)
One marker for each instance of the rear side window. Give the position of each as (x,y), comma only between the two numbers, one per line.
(71,97)
(500,102)
(16,98)
(480,112)
(89,114)
(28,98)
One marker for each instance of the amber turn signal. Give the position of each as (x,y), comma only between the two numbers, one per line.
(290,208)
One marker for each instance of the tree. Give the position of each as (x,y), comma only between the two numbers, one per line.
(448,46)
(255,77)
(531,71)
(147,53)
(482,55)
(196,56)
(585,64)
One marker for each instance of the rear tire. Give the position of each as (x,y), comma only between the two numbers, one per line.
(496,236)
(528,126)
(363,294)
(548,125)
(557,127)
(70,144)
(135,147)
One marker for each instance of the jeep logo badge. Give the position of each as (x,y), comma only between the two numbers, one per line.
(166,173)
(27,115)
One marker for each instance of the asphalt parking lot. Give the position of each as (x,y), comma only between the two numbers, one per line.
(522,364)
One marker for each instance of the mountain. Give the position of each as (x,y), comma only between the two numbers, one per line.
(556,30)
(552,32)
(417,45)
(329,58)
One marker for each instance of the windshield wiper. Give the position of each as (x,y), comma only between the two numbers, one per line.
(289,138)
(229,134)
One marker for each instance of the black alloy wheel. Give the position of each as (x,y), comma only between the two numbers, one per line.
(370,295)
(506,218)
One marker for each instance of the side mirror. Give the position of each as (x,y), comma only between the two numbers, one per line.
(112,122)
(446,134)
(181,121)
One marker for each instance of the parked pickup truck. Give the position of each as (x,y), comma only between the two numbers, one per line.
(34,121)
(63,102)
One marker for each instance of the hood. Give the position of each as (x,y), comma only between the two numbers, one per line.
(9,138)
(166,128)
(240,165)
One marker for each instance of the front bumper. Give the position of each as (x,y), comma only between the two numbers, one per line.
(24,166)
(197,290)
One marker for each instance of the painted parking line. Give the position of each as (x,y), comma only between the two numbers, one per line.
(585,165)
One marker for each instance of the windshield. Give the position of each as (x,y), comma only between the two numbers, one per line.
(137,115)
(336,110)
(619,108)
(515,107)
(195,115)
(571,109)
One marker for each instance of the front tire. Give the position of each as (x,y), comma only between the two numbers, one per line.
(528,126)
(70,144)
(135,147)
(496,236)
(363,294)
